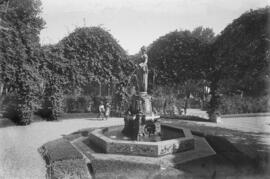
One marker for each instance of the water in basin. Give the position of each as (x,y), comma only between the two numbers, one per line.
(167,133)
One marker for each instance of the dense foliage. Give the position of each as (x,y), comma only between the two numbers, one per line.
(93,55)
(173,57)
(53,97)
(23,97)
(235,62)
(180,59)
(78,104)
(19,55)
(238,61)
(242,54)
(52,70)
(20,42)
(237,104)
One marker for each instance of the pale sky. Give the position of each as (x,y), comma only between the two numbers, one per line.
(135,23)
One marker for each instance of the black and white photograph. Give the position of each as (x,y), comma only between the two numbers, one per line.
(134,89)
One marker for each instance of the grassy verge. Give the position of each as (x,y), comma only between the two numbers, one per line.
(63,160)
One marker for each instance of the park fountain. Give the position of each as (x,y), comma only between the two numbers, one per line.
(143,134)
(142,148)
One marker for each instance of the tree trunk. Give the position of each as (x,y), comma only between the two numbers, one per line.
(154,79)
(1,88)
(100,85)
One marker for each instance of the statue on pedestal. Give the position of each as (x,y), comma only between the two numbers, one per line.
(139,120)
(142,72)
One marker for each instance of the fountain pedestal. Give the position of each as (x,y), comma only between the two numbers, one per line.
(139,119)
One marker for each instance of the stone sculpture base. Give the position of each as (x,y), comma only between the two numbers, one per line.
(137,127)
(140,120)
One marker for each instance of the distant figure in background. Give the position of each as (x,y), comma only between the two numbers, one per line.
(107,110)
(89,107)
(101,110)
(185,105)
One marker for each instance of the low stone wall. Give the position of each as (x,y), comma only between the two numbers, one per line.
(74,156)
(153,149)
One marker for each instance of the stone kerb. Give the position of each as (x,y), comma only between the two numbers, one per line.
(177,145)
(152,149)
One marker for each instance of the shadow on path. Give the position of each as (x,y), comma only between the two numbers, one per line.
(229,162)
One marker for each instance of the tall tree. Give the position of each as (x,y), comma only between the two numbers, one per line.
(173,57)
(239,58)
(177,58)
(93,55)
(242,53)
(54,73)
(19,53)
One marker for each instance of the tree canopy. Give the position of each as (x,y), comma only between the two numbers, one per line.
(242,53)
(177,56)
(92,54)
(19,56)
(20,43)
(237,59)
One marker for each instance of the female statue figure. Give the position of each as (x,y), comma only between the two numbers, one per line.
(142,72)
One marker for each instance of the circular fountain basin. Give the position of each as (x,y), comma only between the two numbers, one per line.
(172,140)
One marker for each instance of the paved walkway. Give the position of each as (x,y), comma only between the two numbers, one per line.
(259,125)
(19,157)
(18,144)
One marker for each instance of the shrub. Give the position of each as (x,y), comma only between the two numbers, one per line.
(6,100)
(19,115)
(121,98)
(53,100)
(82,103)
(74,104)
(158,104)
(236,104)
(213,110)
(167,105)
(24,96)
(19,107)
(195,103)
(69,104)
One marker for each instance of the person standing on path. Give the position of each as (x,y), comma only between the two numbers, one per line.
(101,110)
(107,110)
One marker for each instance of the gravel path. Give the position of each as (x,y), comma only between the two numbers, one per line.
(19,157)
(18,144)
(258,126)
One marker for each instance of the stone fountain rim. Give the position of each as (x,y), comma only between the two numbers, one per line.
(186,132)
(187,135)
